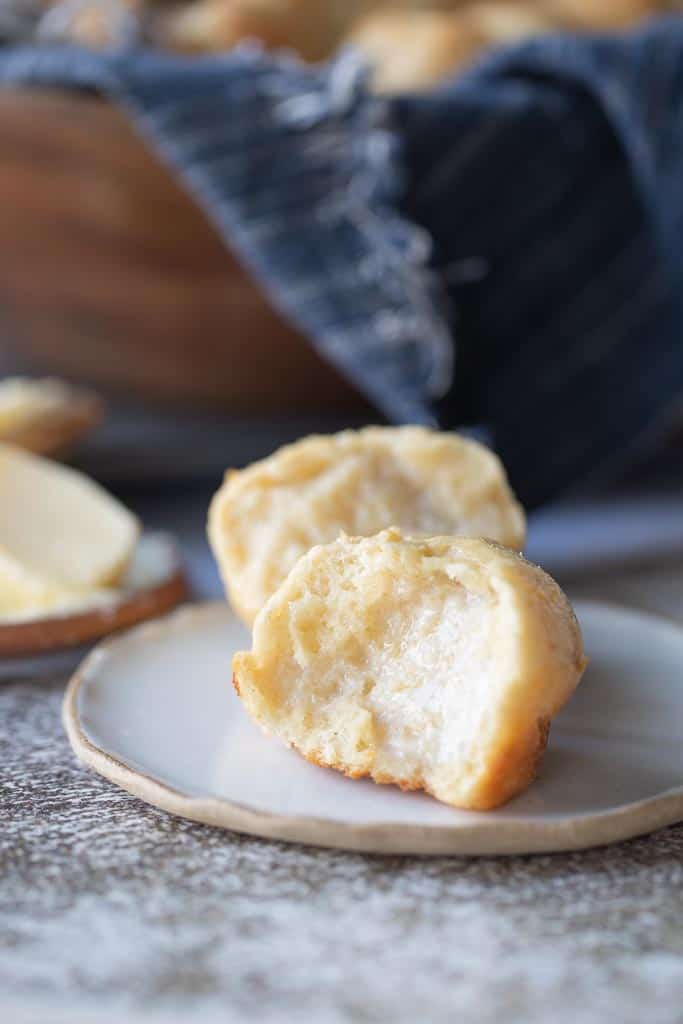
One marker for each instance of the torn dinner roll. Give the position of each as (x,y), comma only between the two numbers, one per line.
(435,664)
(265,517)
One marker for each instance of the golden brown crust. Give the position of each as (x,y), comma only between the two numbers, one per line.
(315,757)
(512,772)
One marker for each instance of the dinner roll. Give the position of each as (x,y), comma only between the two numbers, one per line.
(434,663)
(46,416)
(411,49)
(265,517)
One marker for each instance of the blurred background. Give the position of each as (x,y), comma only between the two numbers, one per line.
(112,277)
(215,217)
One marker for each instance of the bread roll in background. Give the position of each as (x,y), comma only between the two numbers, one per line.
(434,664)
(265,517)
(410,44)
(46,416)
(603,15)
(413,49)
(417,49)
(96,24)
(313,29)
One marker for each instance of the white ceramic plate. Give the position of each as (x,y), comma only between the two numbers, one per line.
(154,711)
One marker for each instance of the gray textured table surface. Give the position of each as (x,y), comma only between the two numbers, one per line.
(113,911)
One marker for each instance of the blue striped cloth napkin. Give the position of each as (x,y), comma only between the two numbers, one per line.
(506,250)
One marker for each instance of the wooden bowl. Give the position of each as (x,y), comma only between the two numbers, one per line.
(110,274)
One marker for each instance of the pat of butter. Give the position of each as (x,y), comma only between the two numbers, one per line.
(61,535)
(25,594)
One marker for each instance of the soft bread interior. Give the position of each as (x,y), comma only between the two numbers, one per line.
(416,662)
(406,688)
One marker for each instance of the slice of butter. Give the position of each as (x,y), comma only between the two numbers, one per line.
(58,529)
(25,594)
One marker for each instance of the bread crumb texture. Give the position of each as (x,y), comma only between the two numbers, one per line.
(264,518)
(434,664)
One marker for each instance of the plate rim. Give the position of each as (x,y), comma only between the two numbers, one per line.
(480,838)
